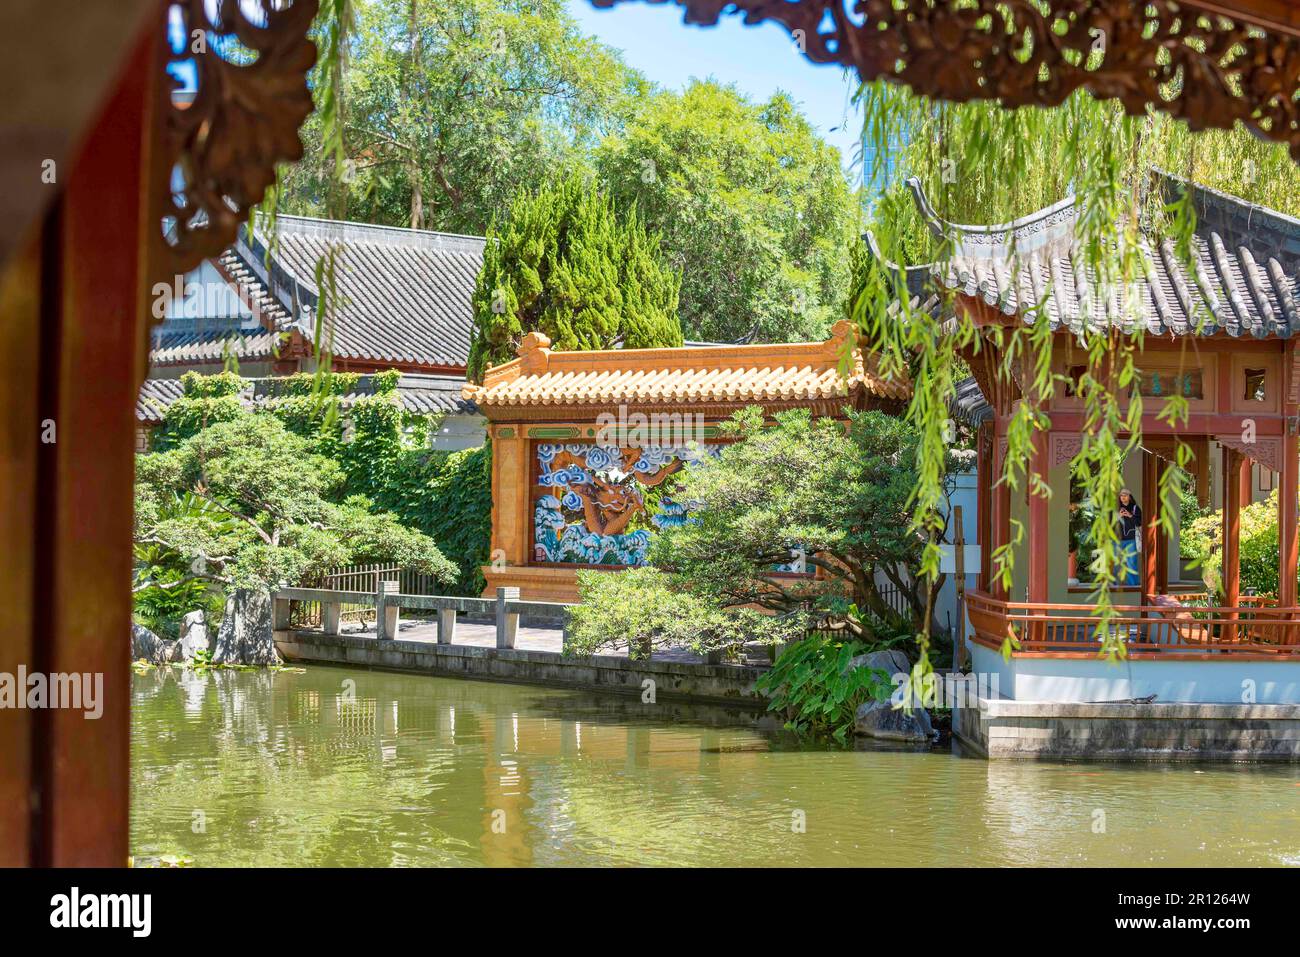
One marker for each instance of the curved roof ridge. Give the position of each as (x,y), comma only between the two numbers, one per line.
(345,230)
(1050,226)
(1210,199)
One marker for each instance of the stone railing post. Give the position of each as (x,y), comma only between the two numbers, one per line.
(564,634)
(329,617)
(446,625)
(279,613)
(386,611)
(507,622)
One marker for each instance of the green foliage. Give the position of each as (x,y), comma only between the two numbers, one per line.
(751,206)
(206,400)
(566,265)
(274,516)
(447,495)
(982,163)
(812,684)
(451,107)
(457,512)
(842,494)
(1202,539)
(645,608)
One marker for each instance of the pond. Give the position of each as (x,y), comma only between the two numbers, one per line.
(345,767)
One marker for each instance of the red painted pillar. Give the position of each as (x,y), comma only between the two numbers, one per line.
(984,503)
(1234,464)
(1151,584)
(1001,514)
(1039,540)
(1288,524)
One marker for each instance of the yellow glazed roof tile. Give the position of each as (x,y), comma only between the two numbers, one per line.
(806,371)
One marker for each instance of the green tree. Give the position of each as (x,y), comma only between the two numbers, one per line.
(273,518)
(566,265)
(1202,539)
(840,496)
(985,164)
(452,106)
(750,204)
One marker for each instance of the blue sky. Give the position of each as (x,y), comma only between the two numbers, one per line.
(759,60)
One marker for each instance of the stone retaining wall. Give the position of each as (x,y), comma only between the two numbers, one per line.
(718,684)
(1029,730)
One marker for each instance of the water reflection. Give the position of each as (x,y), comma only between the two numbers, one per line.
(352,768)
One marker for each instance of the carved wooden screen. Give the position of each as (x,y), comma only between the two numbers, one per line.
(1185,59)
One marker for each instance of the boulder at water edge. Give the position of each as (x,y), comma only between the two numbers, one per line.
(245,637)
(147,646)
(889,660)
(880,719)
(194,635)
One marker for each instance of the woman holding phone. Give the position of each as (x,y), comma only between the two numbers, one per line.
(1129,528)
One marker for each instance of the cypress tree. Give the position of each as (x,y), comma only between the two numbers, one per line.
(567,265)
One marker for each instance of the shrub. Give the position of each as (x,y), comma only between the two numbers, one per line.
(645,608)
(1202,540)
(812,684)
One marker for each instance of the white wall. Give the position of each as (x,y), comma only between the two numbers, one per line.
(1087,680)
(460,432)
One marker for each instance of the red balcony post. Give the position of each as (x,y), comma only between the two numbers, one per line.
(1288,523)
(1150,531)
(1039,544)
(1234,465)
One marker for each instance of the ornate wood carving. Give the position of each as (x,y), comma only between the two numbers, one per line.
(216,156)
(1267,451)
(1010,50)
(1065,446)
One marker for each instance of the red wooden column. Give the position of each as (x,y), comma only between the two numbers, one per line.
(1039,541)
(71,359)
(1288,480)
(1152,467)
(1001,531)
(1234,465)
(984,504)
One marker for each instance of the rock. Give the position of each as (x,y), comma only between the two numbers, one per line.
(889,660)
(880,719)
(147,646)
(245,636)
(194,635)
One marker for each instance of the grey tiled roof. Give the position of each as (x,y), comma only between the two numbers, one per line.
(1242,282)
(155,396)
(968,404)
(425,394)
(180,347)
(404,295)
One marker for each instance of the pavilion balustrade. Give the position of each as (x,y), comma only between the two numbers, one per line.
(1251,627)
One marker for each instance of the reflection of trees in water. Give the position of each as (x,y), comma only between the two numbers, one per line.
(1160,814)
(410,769)
(289,771)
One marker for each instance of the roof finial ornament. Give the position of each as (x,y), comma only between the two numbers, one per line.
(533,352)
(531,343)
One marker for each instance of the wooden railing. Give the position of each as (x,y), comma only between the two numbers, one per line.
(1052,630)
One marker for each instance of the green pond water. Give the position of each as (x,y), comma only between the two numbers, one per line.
(352,768)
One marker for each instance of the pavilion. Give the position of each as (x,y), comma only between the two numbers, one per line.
(581,441)
(1240,372)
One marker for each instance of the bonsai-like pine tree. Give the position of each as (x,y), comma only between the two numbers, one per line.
(249,507)
(565,264)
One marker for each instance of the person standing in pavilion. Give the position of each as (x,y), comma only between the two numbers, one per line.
(1130,530)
